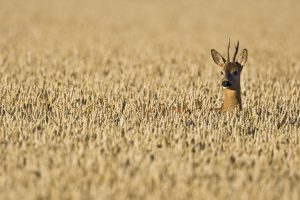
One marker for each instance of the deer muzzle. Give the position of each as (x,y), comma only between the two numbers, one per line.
(226,84)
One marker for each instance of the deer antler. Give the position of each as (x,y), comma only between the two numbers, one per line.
(235,51)
(228,56)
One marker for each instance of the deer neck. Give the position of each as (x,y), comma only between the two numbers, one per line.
(232,99)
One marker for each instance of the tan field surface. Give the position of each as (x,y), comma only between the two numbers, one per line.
(88,91)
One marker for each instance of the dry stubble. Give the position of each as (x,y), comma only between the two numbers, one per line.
(77,81)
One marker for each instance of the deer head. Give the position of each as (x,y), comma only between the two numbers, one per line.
(230,69)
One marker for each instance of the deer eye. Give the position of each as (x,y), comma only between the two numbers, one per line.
(222,72)
(235,73)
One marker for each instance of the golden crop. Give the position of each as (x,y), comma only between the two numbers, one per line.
(88,91)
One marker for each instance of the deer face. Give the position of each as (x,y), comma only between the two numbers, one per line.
(230,70)
(230,73)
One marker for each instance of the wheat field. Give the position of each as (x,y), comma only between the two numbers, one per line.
(82,84)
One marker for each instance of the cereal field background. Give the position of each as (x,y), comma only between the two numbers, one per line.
(87,90)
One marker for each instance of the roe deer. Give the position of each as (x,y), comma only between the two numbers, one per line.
(231,72)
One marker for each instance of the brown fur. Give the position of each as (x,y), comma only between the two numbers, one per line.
(231,72)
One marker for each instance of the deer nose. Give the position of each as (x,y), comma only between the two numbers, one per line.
(226,84)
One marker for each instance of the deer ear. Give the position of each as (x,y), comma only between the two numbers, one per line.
(243,57)
(218,58)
